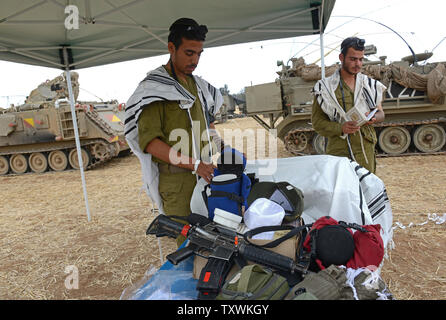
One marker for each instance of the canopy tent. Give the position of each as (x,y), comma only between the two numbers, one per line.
(74,34)
(35,32)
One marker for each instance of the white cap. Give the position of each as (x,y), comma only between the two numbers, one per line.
(263,212)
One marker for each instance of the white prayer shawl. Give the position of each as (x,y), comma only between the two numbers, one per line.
(378,203)
(367,96)
(332,186)
(160,86)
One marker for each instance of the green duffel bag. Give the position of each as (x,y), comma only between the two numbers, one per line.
(254,282)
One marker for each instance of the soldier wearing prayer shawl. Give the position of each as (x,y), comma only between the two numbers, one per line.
(342,103)
(169,123)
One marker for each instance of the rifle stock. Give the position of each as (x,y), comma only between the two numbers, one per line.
(163,226)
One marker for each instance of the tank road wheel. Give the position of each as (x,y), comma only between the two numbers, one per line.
(4,165)
(58,160)
(296,142)
(18,163)
(74,162)
(394,140)
(38,162)
(319,144)
(429,138)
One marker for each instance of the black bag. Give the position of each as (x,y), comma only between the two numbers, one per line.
(290,198)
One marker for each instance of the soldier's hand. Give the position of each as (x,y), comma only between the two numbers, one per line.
(371,121)
(206,171)
(350,127)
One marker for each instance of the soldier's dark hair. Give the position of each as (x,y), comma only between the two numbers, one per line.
(186,28)
(352,42)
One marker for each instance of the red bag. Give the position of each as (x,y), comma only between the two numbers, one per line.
(333,242)
(329,242)
(369,248)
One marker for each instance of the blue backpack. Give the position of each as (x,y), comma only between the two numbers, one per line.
(230,187)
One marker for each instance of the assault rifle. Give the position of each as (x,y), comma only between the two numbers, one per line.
(224,246)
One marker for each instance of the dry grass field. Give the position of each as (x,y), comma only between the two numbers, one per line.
(44,230)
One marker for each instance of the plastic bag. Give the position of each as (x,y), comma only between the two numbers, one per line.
(170,284)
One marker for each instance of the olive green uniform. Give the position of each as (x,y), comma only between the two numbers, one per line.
(159,120)
(338,146)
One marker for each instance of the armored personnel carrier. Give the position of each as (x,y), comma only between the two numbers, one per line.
(39,136)
(229,107)
(414,105)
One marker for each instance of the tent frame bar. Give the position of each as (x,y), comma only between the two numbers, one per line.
(34,56)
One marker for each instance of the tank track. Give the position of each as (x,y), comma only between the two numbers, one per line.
(415,152)
(93,164)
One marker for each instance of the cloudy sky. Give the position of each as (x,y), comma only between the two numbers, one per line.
(420,23)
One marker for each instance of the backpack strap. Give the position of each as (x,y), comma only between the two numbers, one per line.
(229,195)
(353,226)
(205,195)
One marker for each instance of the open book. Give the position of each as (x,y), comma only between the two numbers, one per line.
(354,115)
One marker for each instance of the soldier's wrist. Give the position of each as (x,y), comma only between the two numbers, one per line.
(196,164)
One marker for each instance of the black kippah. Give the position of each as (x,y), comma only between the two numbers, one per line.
(188,27)
(183,23)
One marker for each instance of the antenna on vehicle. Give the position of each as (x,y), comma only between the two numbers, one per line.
(415,60)
(91,94)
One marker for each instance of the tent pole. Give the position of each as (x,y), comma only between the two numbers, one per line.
(322,56)
(76,136)
(321,37)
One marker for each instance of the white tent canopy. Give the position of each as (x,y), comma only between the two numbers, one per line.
(74,34)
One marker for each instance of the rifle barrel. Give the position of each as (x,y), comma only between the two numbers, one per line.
(268,258)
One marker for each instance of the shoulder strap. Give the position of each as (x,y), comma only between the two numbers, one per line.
(229,195)
(353,226)
(293,231)
(205,195)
